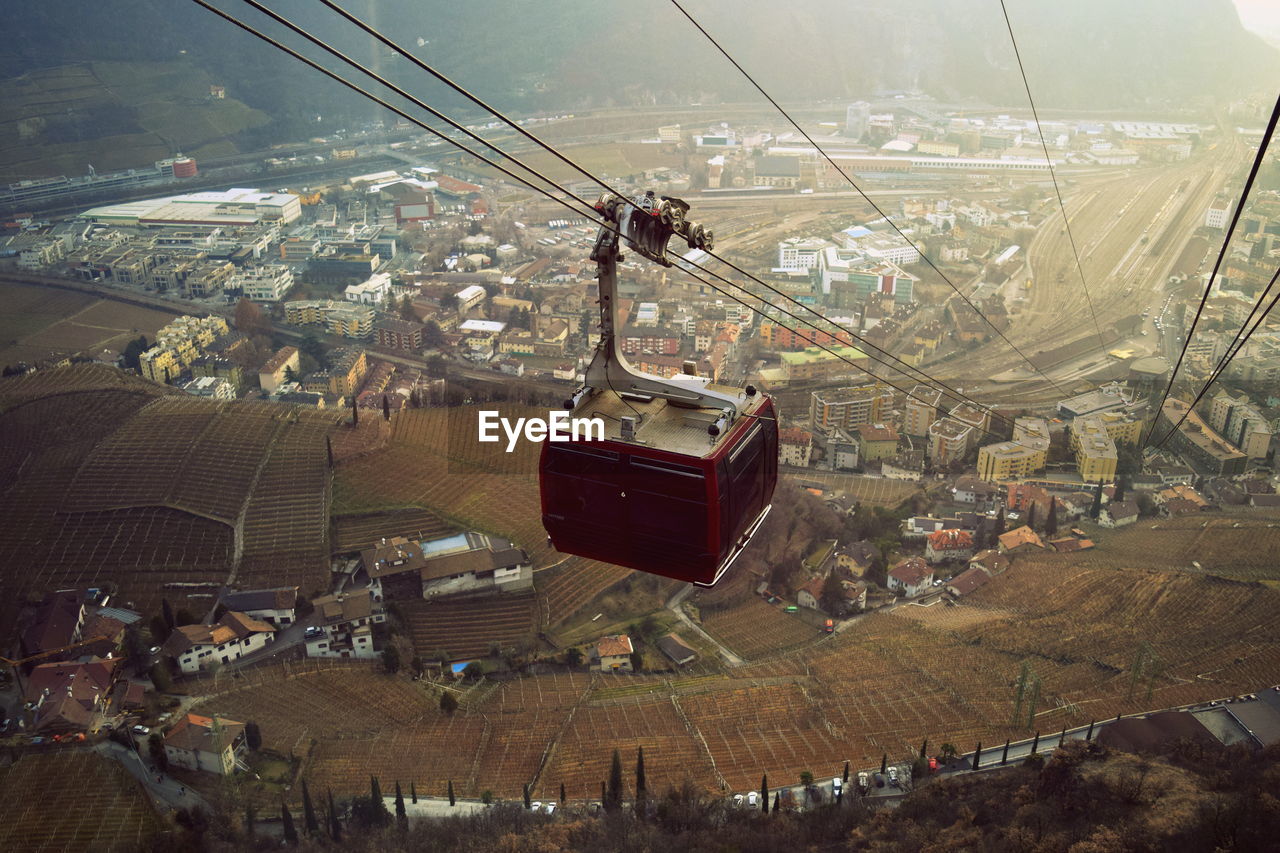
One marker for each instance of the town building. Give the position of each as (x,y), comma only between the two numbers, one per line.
(948,545)
(800,254)
(461,563)
(1014,460)
(268,283)
(272,374)
(613,653)
(276,606)
(195,647)
(845,408)
(375,290)
(948,441)
(794,447)
(911,577)
(876,442)
(345,623)
(1196,442)
(1118,513)
(66,697)
(922,407)
(396,334)
(212,744)
(1096,454)
(967,581)
(56,625)
(1020,540)
(832,363)
(210,387)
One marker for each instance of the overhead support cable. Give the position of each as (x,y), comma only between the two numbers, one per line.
(866,197)
(903,367)
(1066,221)
(1222,253)
(590,211)
(1226,358)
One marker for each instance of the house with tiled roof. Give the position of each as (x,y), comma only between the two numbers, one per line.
(1070,544)
(795,446)
(967,581)
(910,577)
(614,653)
(857,557)
(1020,540)
(195,647)
(991,561)
(56,624)
(1118,513)
(346,621)
(211,744)
(277,606)
(66,696)
(948,545)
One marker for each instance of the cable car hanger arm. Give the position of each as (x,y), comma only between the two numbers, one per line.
(646,227)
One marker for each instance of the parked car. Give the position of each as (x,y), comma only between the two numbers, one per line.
(933,765)
(864,782)
(836,784)
(753,799)
(313,631)
(141,730)
(893,777)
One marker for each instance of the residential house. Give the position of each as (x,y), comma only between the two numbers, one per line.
(794,447)
(66,696)
(1070,544)
(346,621)
(276,606)
(876,442)
(857,557)
(911,577)
(979,494)
(1020,540)
(272,374)
(967,581)
(211,744)
(948,545)
(614,653)
(1118,514)
(230,638)
(57,624)
(990,561)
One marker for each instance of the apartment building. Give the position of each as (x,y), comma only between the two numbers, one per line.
(1024,455)
(845,408)
(1095,451)
(922,410)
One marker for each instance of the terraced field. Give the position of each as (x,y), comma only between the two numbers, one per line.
(755,629)
(468,627)
(355,532)
(71,801)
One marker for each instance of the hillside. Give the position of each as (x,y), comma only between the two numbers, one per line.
(76,79)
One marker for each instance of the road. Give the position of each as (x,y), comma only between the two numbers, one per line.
(163,790)
(673,604)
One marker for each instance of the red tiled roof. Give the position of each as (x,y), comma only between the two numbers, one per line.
(946,540)
(967,581)
(1020,536)
(911,571)
(613,646)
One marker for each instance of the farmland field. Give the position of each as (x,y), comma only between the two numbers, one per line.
(111,479)
(42,322)
(72,801)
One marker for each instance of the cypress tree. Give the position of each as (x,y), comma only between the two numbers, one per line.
(1089,734)
(1097,503)
(1031,515)
(1119,489)
(764,793)
(884,763)
(1051,523)
(250,820)
(167,610)
(998,530)
(562,797)
(335,824)
(290,833)
(401,814)
(413,793)
(355,413)
(528,800)
(1004,756)
(452,800)
(640,783)
(614,792)
(777,802)
(380,814)
(309,812)
(845,778)
(604,797)
(386,408)
(924,748)
(1035,743)
(977,755)
(328,446)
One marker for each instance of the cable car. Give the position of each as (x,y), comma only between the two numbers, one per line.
(684,473)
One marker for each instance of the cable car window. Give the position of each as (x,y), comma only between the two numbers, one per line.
(661,479)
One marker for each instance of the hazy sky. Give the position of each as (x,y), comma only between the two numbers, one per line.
(1261,16)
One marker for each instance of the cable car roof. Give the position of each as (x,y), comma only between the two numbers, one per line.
(663,425)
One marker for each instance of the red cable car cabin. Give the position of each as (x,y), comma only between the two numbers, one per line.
(686,469)
(682,507)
